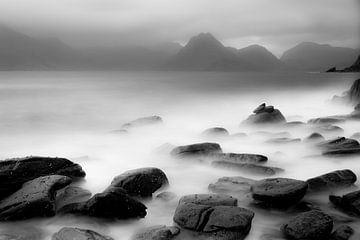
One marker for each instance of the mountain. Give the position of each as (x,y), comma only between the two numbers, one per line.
(310,56)
(21,52)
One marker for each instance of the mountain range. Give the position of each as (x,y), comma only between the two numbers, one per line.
(202,53)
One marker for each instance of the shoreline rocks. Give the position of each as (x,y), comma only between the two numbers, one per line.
(247,168)
(349,202)
(265,115)
(158,232)
(331,180)
(195,150)
(144,121)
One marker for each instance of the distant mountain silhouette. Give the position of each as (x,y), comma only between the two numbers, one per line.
(310,56)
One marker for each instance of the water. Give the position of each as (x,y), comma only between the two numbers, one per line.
(71,114)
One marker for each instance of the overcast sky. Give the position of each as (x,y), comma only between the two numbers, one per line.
(275,24)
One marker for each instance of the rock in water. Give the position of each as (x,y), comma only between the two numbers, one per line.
(343,232)
(143,122)
(160,232)
(279,192)
(326,120)
(36,198)
(265,115)
(340,146)
(336,179)
(315,137)
(247,168)
(141,182)
(350,202)
(239,157)
(71,194)
(215,132)
(15,172)
(195,150)
(67,233)
(311,225)
(232,185)
(209,199)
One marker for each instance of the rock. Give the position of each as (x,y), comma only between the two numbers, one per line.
(209,199)
(265,115)
(340,146)
(333,69)
(232,185)
(159,232)
(113,203)
(350,202)
(329,129)
(335,179)
(141,182)
(71,194)
(342,152)
(15,172)
(166,196)
(68,233)
(247,168)
(272,134)
(239,157)
(343,232)
(195,150)
(315,137)
(140,122)
(36,198)
(283,140)
(311,225)
(326,120)
(295,124)
(279,192)
(216,132)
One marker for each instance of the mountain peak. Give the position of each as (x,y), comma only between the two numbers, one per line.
(204,40)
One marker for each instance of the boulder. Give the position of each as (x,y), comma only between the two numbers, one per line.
(145,121)
(239,157)
(159,232)
(247,168)
(215,132)
(142,182)
(331,180)
(343,232)
(279,192)
(36,198)
(15,172)
(265,115)
(326,120)
(339,144)
(333,69)
(328,128)
(71,194)
(350,202)
(232,185)
(311,225)
(68,233)
(209,199)
(195,150)
(315,137)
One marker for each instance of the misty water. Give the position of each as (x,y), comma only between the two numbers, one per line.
(73,114)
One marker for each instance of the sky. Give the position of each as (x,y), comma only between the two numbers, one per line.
(275,24)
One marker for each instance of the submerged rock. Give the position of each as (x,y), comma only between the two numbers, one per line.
(343,232)
(311,225)
(247,168)
(159,232)
(68,233)
(265,115)
(232,185)
(71,194)
(141,182)
(166,196)
(209,199)
(279,192)
(215,132)
(315,137)
(15,172)
(350,202)
(329,129)
(335,179)
(239,157)
(195,150)
(36,198)
(283,140)
(326,120)
(340,146)
(140,122)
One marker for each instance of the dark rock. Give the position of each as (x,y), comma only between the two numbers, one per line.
(232,185)
(216,132)
(247,168)
(265,115)
(336,179)
(339,143)
(311,225)
(194,150)
(343,232)
(209,199)
(315,137)
(279,192)
(141,182)
(36,198)
(15,172)
(140,122)
(350,202)
(114,203)
(160,232)
(239,157)
(166,196)
(326,120)
(283,140)
(342,152)
(68,233)
(333,69)
(71,194)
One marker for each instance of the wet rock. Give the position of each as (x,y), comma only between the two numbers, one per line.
(339,143)
(215,132)
(326,120)
(195,150)
(279,192)
(350,202)
(232,185)
(342,152)
(315,137)
(159,232)
(239,157)
(209,199)
(166,196)
(15,172)
(331,180)
(71,194)
(113,203)
(265,115)
(145,121)
(283,140)
(311,225)
(343,232)
(68,233)
(141,182)
(247,168)
(36,198)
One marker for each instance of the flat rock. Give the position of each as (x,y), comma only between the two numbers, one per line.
(343,232)
(15,172)
(247,168)
(215,132)
(141,182)
(350,202)
(339,143)
(71,194)
(315,137)
(239,157)
(311,225)
(265,115)
(283,140)
(280,192)
(194,150)
(68,233)
(145,121)
(232,185)
(36,198)
(326,120)
(209,199)
(159,232)
(331,180)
